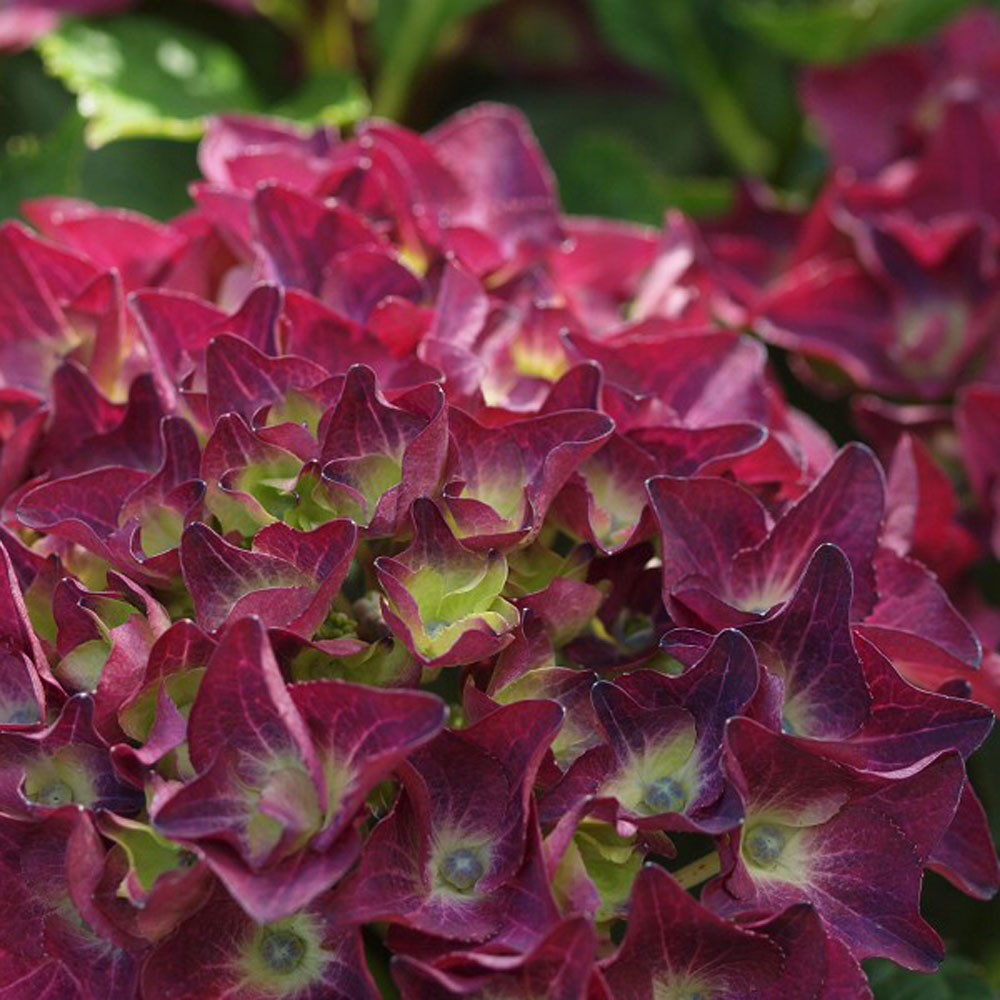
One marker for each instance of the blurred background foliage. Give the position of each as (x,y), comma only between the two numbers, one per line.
(639,104)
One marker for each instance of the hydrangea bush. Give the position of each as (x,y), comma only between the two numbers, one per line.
(399,574)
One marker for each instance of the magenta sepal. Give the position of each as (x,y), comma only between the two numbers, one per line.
(282,772)
(673,943)
(220,951)
(289,577)
(445,860)
(559,967)
(852,843)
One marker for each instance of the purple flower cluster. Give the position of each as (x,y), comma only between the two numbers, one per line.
(385,553)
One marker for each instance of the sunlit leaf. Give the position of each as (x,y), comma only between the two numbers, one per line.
(138,76)
(331,97)
(957,979)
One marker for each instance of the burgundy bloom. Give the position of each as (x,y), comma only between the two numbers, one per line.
(724,562)
(289,578)
(377,458)
(448,859)
(558,968)
(659,763)
(443,600)
(282,772)
(58,939)
(398,577)
(65,764)
(674,946)
(220,951)
(880,108)
(23,664)
(499,482)
(132,517)
(819,831)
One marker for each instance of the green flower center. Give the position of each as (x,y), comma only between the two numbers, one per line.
(682,990)
(282,951)
(60,780)
(462,869)
(336,625)
(764,844)
(55,793)
(665,795)
(284,959)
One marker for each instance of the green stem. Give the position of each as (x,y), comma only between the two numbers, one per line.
(698,871)
(331,42)
(414,37)
(322,29)
(749,151)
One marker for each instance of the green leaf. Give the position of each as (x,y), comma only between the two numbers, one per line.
(606,173)
(612,873)
(641,33)
(377,958)
(407,33)
(831,31)
(330,97)
(32,101)
(146,175)
(140,76)
(150,855)
(601,840)
(957,979)
(33,165)
(671,40)
(666,129)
